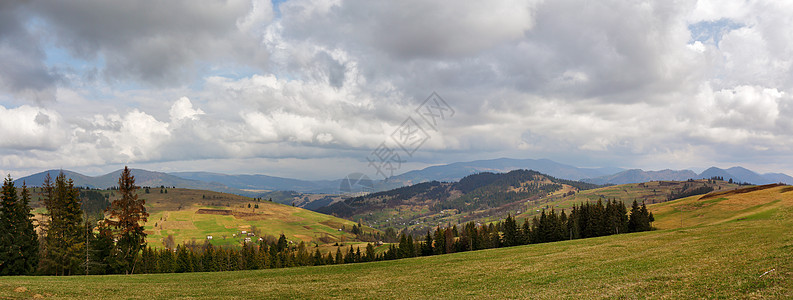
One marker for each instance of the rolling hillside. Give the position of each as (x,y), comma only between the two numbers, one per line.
(647,192)
(741,248)
(193,215)
(751,203)
(476,197)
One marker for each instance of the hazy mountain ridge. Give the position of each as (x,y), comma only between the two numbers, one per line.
(639,175)
(458,170)
(142,178)
(251,185)
(256,181)
(738,174)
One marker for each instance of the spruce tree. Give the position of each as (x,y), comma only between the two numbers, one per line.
(404,250)
(209,258)
(411,247)
(339,257)
(440,241)
(370,254)
(426,247)
(635,218)
(282,243)
(64,244)
(100,251)
(645,220)
(12,260)
(350,257)
(318,261)
(27,239)
(125,216)
(510,232)
(526,232)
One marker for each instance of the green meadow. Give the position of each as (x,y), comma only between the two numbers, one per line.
(177,213)
(738,247)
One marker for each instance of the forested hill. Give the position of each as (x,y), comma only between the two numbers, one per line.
(481,195)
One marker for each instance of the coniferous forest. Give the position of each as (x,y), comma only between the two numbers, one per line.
(69,245)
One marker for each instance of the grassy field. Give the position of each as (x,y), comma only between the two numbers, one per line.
(177,213)
(647,192)
(740,247)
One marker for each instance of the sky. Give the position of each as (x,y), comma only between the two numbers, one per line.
(319,89)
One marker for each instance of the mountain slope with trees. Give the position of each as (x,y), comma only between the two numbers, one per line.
(475,197)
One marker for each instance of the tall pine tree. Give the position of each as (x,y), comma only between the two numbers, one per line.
(125,216)
(18,240)
(64,243)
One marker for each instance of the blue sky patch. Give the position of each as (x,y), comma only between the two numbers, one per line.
(712,31)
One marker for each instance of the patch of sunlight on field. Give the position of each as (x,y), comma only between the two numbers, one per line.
(705,210)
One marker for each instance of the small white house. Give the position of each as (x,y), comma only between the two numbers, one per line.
(244,232)
(209,237)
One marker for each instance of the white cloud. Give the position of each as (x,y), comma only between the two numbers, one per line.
(27,127)
(183,109)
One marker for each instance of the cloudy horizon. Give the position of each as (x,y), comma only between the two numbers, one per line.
(309,89)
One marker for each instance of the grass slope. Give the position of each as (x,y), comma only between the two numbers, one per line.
(176,213)
(647,192)
(760,202)
(725,256)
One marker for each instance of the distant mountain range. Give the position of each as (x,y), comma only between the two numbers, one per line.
(255,185)
(142,178)
(738,174)
(263,182)
(458,170)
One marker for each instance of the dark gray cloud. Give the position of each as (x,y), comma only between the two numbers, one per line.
(156,42)
(23,72)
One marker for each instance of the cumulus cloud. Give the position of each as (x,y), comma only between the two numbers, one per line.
(27,128)
(653,84)
(183,109)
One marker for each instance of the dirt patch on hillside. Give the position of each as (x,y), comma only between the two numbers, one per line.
(303,237)
(177,225)
(206,211)
(265,215)
(332,224)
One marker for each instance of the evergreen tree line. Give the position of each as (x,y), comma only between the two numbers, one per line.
(585,220)
(68,244)
(251,256)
